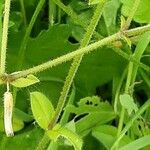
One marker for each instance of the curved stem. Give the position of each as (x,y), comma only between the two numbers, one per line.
(76,63)
(5,36)
(27,34)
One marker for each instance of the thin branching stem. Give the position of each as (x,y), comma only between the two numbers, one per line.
(85,50)
(76,63)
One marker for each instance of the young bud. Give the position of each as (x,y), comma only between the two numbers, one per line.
(8,109)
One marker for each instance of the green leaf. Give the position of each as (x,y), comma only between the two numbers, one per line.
(128,103)
(21,140)
(42,109)
(72,137)
(142,13)
(24,82)
(106,134)
(137,144)
(95,112)
(110,15)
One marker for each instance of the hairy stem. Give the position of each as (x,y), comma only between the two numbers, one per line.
(76,62)
(27,34)
(1,16)
(5,36)
(69,11)
(52,12)
(84,50)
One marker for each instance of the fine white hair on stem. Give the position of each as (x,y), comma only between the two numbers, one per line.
(8,109)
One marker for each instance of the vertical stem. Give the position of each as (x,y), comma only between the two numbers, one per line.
(128,82)
(1,15)
(131,14)
(76,62)
(52,12)
(118,91)
(23,12)
(5,36)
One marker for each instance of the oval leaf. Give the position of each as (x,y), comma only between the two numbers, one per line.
(24,82)
(42,109)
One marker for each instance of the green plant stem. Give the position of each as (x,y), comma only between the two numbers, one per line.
(69,11)
(137,31)
(23,12)
(145,77)
(118,91)
(5,36)
(130,123)
(131,14)
(76,63)
(65,116)
(84,50)
(43,143)
(132,72)
(78,52)
(1,16)
(52,12)
(127,87)
(27,34)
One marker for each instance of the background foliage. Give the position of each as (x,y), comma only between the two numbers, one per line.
(91,114)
